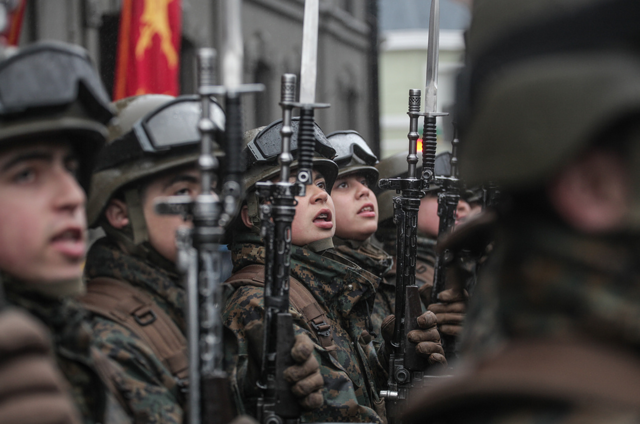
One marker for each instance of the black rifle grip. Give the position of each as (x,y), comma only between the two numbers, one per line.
(413,309)
(429,144)
(234,136)
(286,404)
(306,145)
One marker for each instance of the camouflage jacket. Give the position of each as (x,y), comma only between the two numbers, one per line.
(148,386)
(550,289)
(375,260)
(346,292)
(74,354)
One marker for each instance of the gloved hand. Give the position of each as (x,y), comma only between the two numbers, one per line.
(450,308)
(305,378)
(427,337)
(32,391)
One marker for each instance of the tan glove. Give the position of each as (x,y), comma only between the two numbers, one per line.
(306,380)
(32,391)
(305,377)
(450,309)
(427,337)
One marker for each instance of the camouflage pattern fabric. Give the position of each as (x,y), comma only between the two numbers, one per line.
(74,354)
(550,284)
(346,292)
(375,260)
(147,385)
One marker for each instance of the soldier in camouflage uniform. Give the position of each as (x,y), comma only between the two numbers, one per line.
(339,288)
(357,221)
(152,153)
(451,303)
(551,110)
(54,116)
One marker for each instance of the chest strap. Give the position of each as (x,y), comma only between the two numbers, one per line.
(301,299)
(136,311)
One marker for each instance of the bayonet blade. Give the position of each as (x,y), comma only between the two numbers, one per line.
(308,67)
(431,91)
(232,56)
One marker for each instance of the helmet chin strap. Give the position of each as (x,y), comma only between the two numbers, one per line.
(134,238)
(136,216)
(253,210)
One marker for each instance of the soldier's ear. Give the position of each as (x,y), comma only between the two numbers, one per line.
(592,194)
(117,213)
(244,214)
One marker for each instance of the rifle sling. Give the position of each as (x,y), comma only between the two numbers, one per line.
(136,311)
(301,300)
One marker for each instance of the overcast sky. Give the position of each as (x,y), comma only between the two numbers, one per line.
(414,14)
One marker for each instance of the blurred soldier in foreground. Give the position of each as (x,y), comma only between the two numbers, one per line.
(32,391)
(549,107)
(53,115)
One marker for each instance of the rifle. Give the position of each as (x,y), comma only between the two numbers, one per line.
(406,367)
(277,405)
(199,260)
(199,257)
(448,198)
(490,196)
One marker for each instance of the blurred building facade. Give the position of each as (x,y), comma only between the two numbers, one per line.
(272,30)
(403,65)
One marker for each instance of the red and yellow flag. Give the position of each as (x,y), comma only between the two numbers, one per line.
(148,48)
(12,34)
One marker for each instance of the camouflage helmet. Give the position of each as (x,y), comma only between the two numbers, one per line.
(152,133)
(354,155)
(52,90)
(262,148)
(542,80)
(397,166)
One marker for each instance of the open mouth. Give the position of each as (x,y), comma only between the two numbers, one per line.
(70,242)
(324,219)
(367,211)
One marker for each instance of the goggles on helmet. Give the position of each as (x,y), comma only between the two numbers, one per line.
(350,143)
(172,126)
(267,145)
(175,124)
(50,74)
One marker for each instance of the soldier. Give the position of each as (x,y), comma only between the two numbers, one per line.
(552,100)
(357,221)
(331,297)
(345,292)
(452,302)
(54,115)
(134,289)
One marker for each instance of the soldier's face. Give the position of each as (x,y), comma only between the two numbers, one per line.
(428,219)
(162,228)
(315,214)
(356,208)
(42,213)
